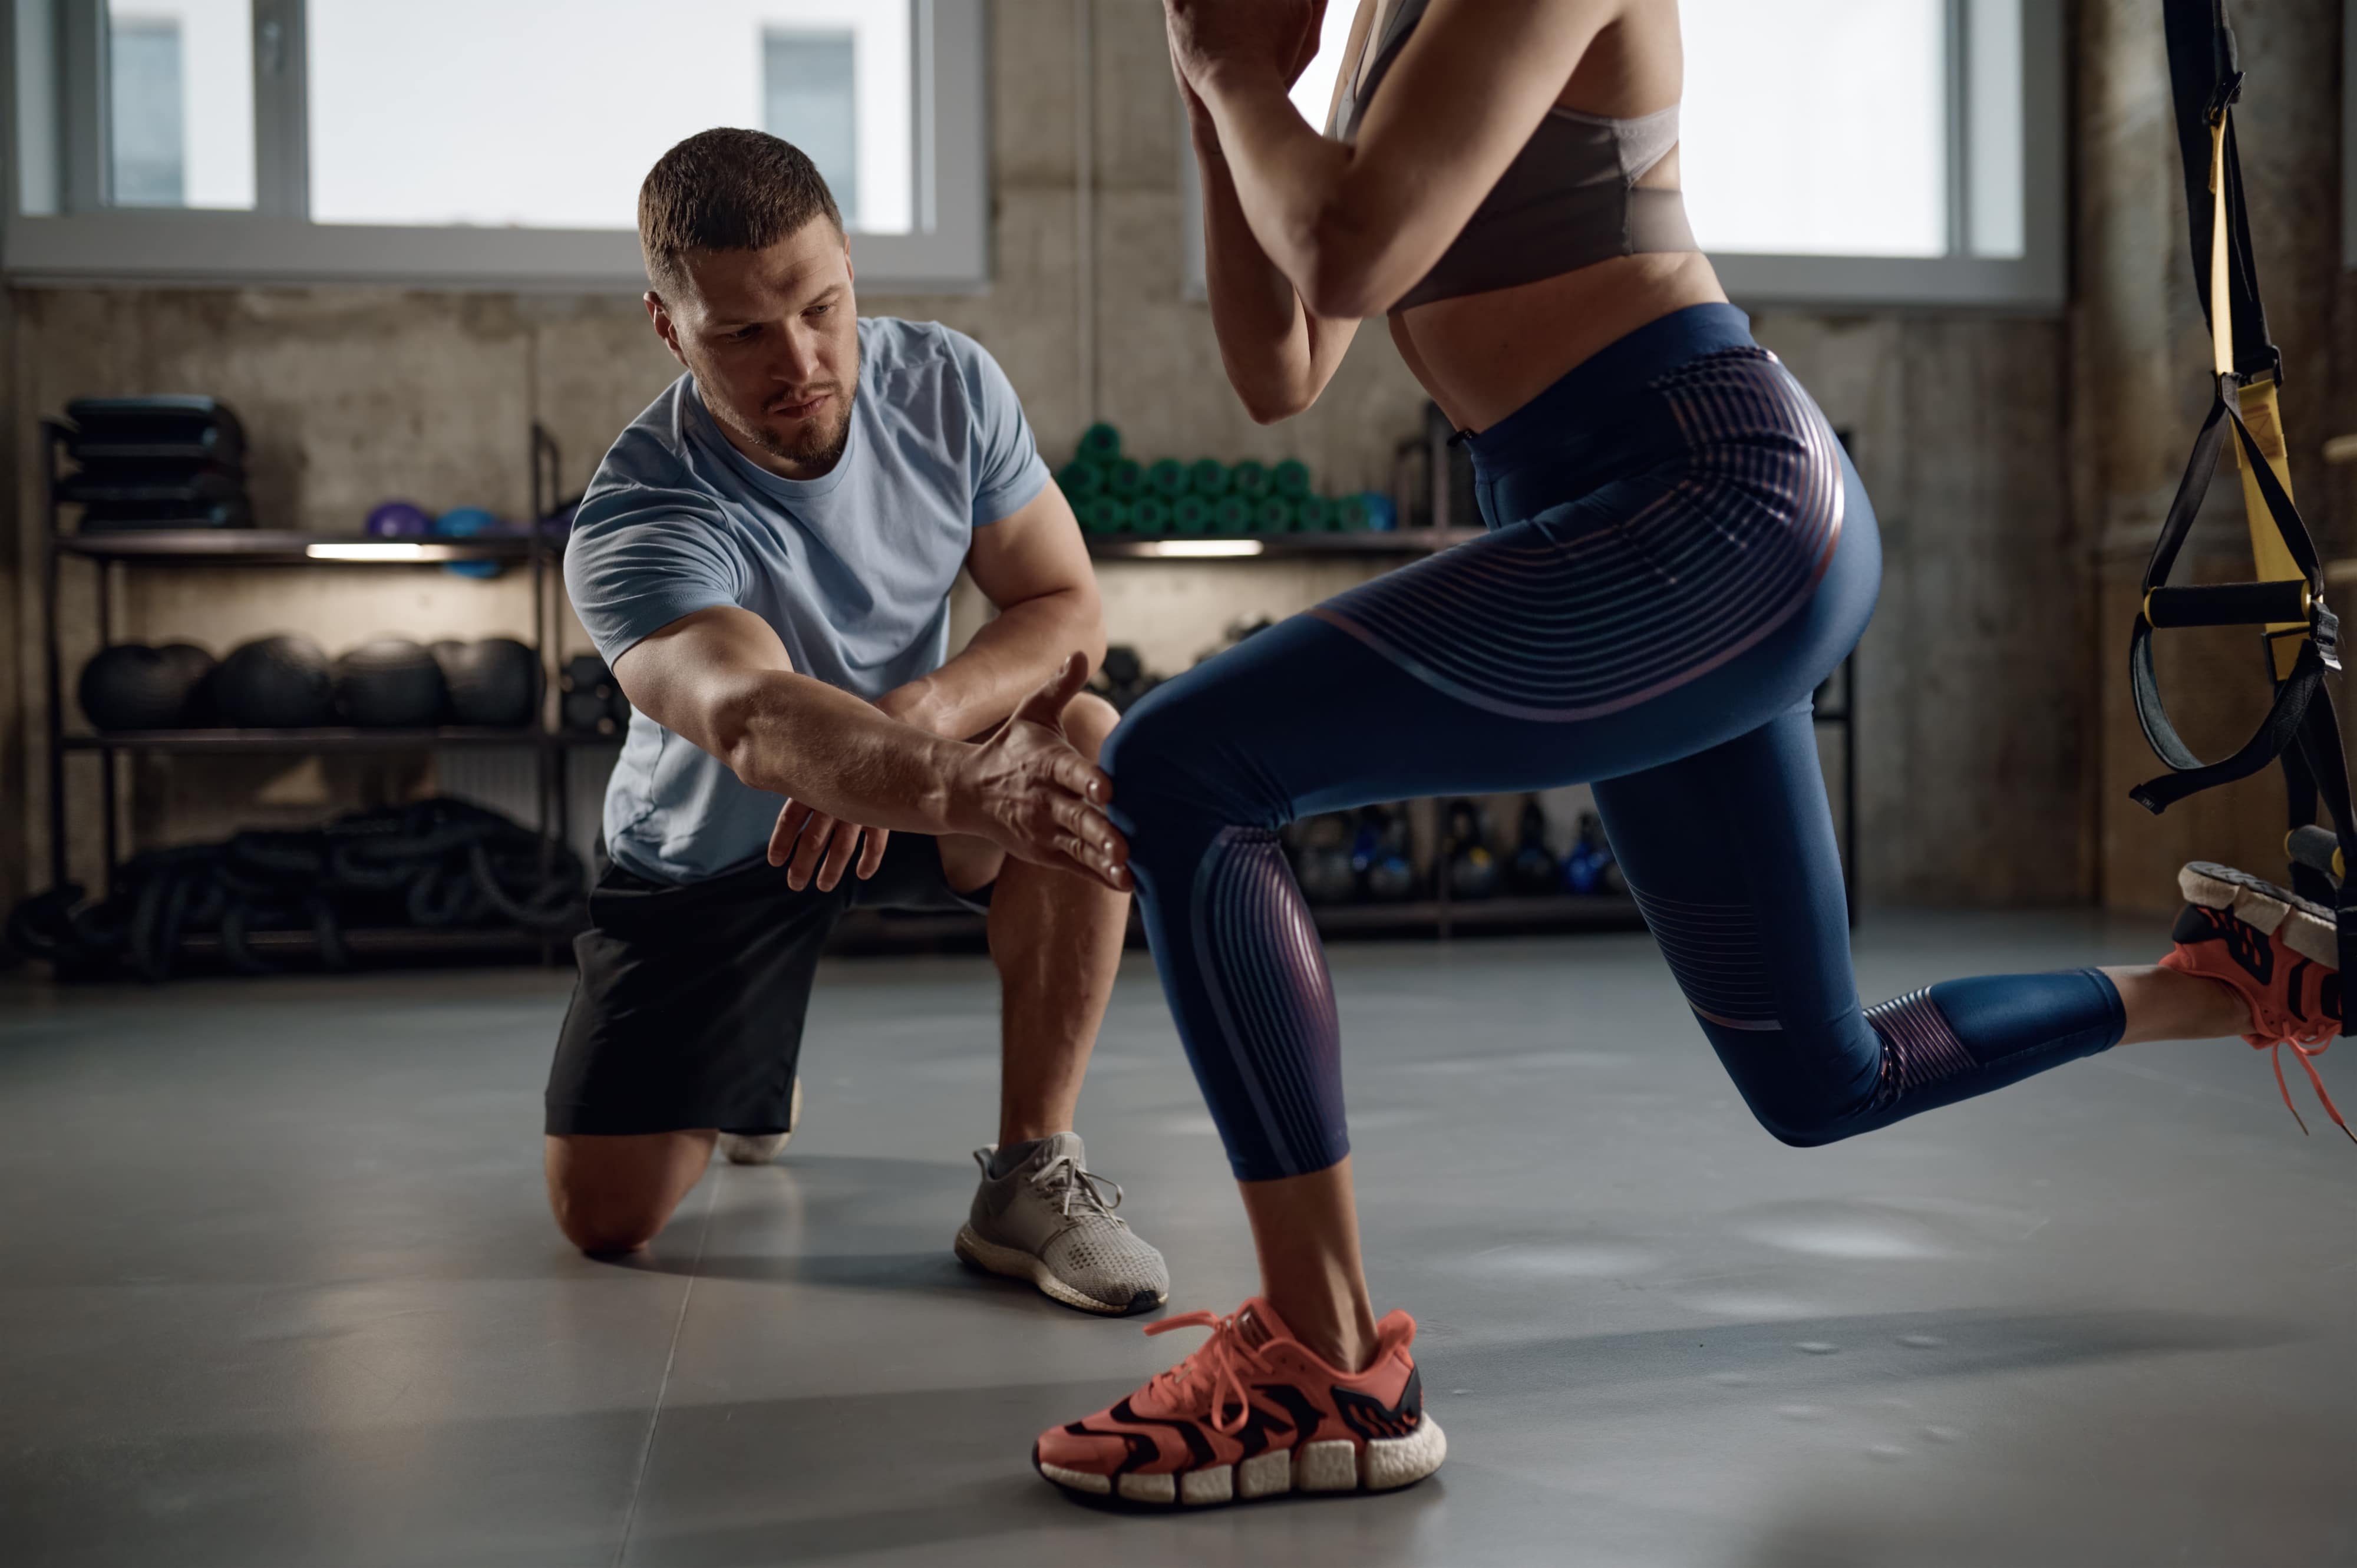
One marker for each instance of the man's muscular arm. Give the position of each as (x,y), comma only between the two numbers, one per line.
(1033,566)
(721,677)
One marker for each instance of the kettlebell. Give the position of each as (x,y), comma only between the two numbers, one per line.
(1589,867)
(1473,871)
(1534,872)
(1379,855)
(1321,859)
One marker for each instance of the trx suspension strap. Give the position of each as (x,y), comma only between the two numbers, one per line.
(2286,596)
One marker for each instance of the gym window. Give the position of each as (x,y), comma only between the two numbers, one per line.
(1874,153)
(497,143)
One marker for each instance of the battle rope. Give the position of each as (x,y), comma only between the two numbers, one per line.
(438,865)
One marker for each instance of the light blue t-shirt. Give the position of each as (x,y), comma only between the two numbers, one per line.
(853,569)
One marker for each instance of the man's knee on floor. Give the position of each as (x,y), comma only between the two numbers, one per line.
(613,1195)
(604,1227)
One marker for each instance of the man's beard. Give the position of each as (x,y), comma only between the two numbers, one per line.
(813,447)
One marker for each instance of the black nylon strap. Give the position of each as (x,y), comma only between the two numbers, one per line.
(2301,801)
(2205,77)
(2279,730)
(2321,751)
(2276,732)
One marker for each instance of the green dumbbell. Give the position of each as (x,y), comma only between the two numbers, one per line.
(1101,443)
(1249,480)
(1081,480)
(1190,514)
(1103,514)
(1207,479)
(1273,514)
(1308,514)
(1351,514)
(1168,478)
(1124,479)
(1149,514)
(1231,514)
(1290,477)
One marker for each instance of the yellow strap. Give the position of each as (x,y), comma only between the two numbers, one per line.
(2222,300)
(2261,408)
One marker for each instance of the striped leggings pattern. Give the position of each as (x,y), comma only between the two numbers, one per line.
(1267,979)
(1713,951)
(1918,1047)
(1730,542)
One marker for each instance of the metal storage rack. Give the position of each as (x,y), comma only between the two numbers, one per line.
(112,554)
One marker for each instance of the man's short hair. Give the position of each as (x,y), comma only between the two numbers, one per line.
(726,189)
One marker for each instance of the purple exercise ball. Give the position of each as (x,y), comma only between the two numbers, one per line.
(400,519)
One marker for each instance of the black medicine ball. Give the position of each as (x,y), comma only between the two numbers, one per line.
(276,683)
(496,683)
(594,704)
(390,683)
(134,686)
(195,666)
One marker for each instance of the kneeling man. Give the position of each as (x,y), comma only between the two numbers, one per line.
(765,558)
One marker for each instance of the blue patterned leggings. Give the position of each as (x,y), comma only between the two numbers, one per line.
(1658,635)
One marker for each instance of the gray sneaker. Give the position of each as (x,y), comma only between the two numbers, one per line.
(1048,1221)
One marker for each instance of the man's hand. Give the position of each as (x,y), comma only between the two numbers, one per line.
(822,847)
(1023,786)
(813,844)
(1027,789)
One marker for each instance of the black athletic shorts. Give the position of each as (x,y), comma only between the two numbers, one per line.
(688,1012)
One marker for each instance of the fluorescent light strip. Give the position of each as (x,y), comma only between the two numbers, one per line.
(385,552)
(1207,549)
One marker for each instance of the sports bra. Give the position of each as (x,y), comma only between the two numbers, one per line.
(1570,199)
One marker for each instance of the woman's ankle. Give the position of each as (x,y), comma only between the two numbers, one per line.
(1339,1330)
(2165,1004)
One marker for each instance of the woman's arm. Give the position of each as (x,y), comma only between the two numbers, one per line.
(1278,355)
(1354,228)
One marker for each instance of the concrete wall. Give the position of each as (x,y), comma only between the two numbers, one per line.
(1979,706)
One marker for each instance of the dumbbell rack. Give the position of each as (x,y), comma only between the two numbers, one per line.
(113,553)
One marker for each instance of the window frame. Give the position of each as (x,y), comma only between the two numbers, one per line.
(84,241)
(2035,283)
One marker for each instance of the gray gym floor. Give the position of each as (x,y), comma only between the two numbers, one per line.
(279,1289)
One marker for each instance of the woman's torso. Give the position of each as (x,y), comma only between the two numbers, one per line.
(1481,356)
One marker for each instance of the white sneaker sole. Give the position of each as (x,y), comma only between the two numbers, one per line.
(1382,1465)
(760,1148)
(1017,1264)
(2306,928)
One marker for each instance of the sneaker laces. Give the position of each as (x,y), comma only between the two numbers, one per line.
(1064,1181)
(1214,1372)
(2306,1048)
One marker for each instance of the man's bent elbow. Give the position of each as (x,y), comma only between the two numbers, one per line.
(729,733)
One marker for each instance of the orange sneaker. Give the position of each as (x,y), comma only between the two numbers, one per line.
(2279,951)
(1254,1412)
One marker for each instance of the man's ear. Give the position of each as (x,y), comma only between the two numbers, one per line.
(665,327)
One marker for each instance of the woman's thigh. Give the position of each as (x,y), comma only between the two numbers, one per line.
(1315,715)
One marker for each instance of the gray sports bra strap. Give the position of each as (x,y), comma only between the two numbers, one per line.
(1643,142)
